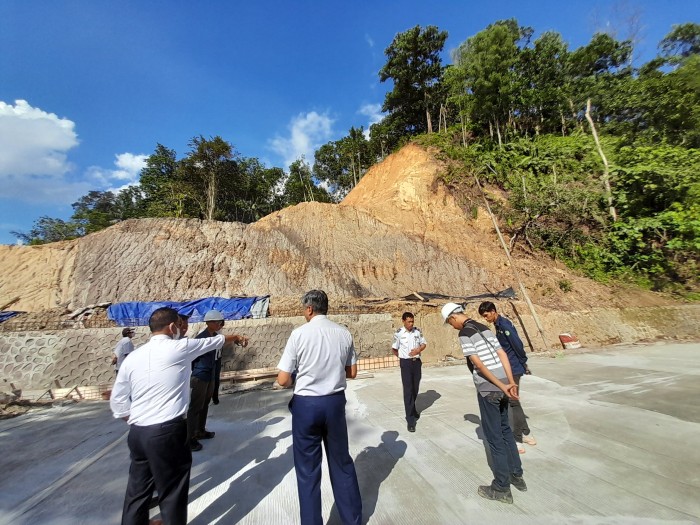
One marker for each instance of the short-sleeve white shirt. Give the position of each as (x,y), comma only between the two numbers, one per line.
(124,347)
(153,384)
(319,351)
(405,341)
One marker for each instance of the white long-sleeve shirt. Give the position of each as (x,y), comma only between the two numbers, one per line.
(153,385)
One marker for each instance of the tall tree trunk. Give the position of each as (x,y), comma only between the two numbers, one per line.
(498,133)
(211,196)
(606,172)
(427,118)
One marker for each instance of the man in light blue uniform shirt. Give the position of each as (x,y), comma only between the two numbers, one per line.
(407,345)
(323,354)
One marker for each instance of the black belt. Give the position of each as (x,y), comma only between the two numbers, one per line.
(182,418)
(410,358)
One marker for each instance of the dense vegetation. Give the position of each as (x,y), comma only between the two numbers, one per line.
(600,159)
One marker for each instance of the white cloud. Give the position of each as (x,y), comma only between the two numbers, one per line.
(307,132)
(34,165)
(129,167)
(374,114)
(33,155)
(369,40)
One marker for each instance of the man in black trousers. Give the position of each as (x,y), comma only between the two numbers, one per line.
(407,345)
(151,393)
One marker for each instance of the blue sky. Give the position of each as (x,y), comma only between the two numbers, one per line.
(88,88)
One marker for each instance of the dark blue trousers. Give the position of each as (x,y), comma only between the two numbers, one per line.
(160,459)
(410,378)
(316,420)
(505,459)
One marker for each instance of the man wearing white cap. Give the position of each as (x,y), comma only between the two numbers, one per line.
(494,382)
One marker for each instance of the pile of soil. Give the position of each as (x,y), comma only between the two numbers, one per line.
(400,230)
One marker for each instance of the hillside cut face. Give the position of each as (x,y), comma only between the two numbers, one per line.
(398,231)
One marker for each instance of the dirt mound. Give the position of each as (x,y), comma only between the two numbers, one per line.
(398,231)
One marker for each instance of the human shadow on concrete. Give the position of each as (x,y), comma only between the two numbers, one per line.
(473,418)
(251,477)
(373,465)
(425,400)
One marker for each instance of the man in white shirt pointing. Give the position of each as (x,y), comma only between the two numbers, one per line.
(152,393)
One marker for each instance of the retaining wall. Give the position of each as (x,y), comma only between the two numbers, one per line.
(32,361)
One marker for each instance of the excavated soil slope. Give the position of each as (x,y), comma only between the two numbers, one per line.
(398,231)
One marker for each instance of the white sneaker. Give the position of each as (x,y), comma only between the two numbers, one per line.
(529,440)
(521,448)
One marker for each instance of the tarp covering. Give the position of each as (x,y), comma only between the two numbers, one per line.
(8,314)
(138,313)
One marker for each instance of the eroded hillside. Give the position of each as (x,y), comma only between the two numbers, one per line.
(398,231)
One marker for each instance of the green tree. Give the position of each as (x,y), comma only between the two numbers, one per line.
(542,69)
(342,163)
(489,76)
(47,229)
(415,68)
(164,194)
(683,41)
(208,170)
(601,71)
(300,186)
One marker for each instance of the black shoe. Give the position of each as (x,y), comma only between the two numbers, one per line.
(518,482)
(206,435)
(215,400)
(411,428)
(488,492)
(195,445)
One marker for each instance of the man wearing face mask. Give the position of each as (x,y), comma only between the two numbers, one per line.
(151,393)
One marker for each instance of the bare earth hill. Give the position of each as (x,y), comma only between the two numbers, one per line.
(398,231)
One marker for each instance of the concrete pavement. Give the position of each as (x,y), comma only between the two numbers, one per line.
(617,433)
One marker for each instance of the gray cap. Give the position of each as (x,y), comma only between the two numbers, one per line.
(213,315)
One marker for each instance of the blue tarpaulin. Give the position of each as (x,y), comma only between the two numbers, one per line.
(8,314)
(138,313)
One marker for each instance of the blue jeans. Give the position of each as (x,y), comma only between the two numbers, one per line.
(505,459)
(316,420)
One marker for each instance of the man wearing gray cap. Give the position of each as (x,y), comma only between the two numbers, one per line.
(494,383)
(203,381)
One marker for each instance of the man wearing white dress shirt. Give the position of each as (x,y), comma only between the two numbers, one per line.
(152,393)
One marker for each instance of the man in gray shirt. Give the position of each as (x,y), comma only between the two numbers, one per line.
(323,355)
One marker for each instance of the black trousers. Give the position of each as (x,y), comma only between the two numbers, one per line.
(160,459)
(410,378)
(519,426)
(200,395)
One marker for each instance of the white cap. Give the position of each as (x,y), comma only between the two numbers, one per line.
(213,315)
(449,309)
